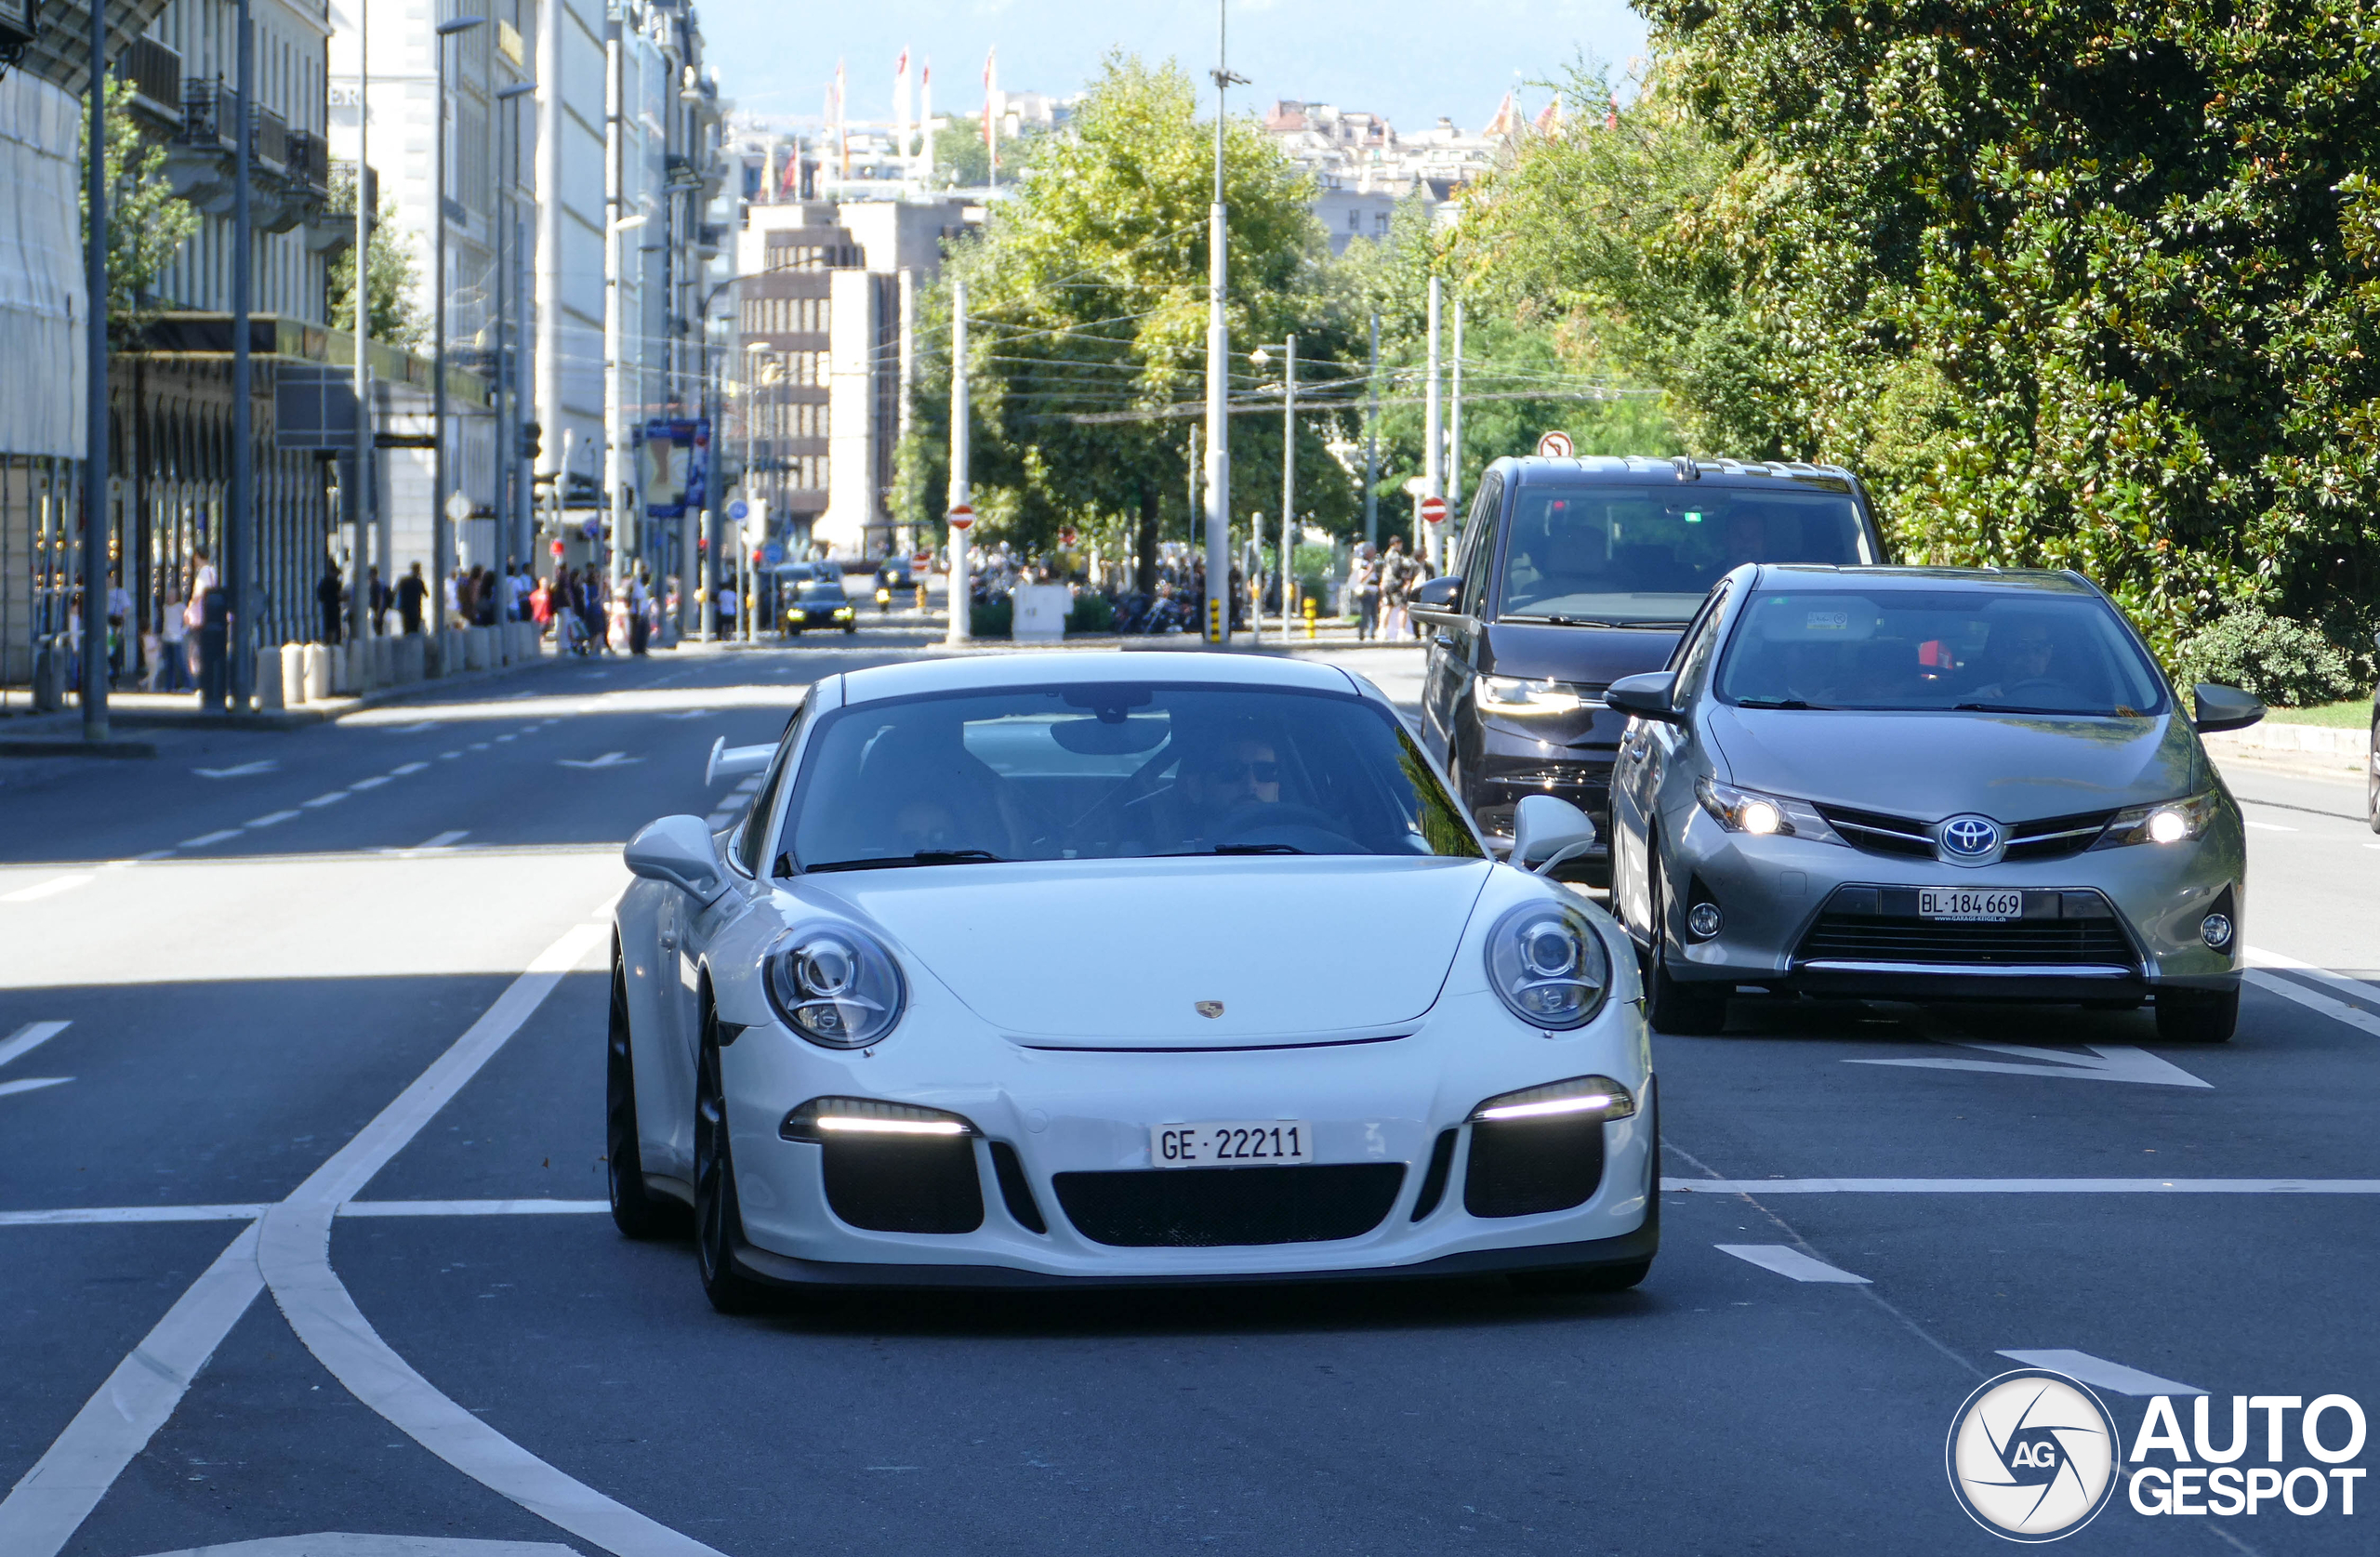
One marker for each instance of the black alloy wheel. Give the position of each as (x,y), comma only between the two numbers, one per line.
(2197,1015)
(718,1220)
(637,1210)
(1675,1006)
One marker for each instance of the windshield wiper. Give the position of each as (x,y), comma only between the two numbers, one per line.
(1561,621)
(2029,708)
(1234,848)
(1781,702)
(922,857)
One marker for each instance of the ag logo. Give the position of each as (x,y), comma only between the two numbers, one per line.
(2032,1456)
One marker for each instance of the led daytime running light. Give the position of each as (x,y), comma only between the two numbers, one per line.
(857,1118)
(1598,1095)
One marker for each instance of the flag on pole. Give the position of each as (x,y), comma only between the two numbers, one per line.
(991,138)
(925,113)
(1550,122)
(901,108)
(1502,124)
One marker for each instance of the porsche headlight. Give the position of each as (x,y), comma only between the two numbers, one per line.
(2168,822)
(1745,810)
(834,985)
(1548,965)
(1519,698)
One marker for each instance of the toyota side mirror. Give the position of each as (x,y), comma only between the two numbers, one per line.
(1648,696)
(1547,830)
(680,851)
(2225,708)
(1435,601)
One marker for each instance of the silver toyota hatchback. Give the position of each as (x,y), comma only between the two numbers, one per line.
(1926,783)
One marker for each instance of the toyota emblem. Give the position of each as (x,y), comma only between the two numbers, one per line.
(1970,838)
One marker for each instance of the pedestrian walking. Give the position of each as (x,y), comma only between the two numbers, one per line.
(1396,577)
(1363,587)
(379,598)
(640,595)
(119,618)
(173,643)
(330,594)
(413,594)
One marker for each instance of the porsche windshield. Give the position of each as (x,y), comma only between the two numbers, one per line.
(1974,649)
(1645,556)
(1112,771)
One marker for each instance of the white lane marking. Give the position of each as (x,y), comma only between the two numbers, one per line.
(243,771)
(77,1216)
(690,714)
(448,756)
(53,1498)
(2268,826)
(155,854)
(404,768)
(409,729)
(2022,1186)
(41,890)
(609,760)
(2314,1001)
(202,839)
(374,782)
(333,797)
(2362,989)
(33,1084)
(2101,1374)
(512,736)
(32,1035)
(49,1503)
(2113,1062)
(472,1207)
(1787,1260)
(478,745)
(332,1543)
(272,818)
(441,840)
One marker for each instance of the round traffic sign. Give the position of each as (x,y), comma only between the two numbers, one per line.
(556,547)
(459,508)
(1433,510)
(921,559)
(961,516)
(738,508)
(1555,445)
(773,553)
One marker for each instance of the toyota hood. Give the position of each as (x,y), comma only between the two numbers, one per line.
(2009,767)
(1120,954)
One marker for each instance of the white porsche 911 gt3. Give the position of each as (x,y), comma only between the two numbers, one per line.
(1135,967)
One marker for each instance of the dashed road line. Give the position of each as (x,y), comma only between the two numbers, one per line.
(32,1035)
(1790,1262)
(333,797)
(441,840)
(374,782)
(272,819)
(204,839)
(403,769)
(31,1084)
(41,890)
(2101,1374)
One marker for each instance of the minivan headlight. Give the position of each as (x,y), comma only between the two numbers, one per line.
(1521,698)
(834,985)
(2166,822)
(1548,965)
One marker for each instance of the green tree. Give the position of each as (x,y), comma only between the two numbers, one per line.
(392,276)
(146,221)
(1088,294)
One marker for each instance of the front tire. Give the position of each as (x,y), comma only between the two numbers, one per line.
(1672,1006)
(2197,1015)
(719,1219)
(637,1211)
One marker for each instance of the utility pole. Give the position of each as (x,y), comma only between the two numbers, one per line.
(961,594)
(617,221)
(511,483)
(1454,429)
(1372,444)
(1433,432)
(441,527)
(95,432)
(1217,623)
(239,537)
(358,604)
(1289,479)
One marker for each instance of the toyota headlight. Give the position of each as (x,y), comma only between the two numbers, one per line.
(2167,821)
(1519,698)
(1548,965)
(834,985)
(1747,811)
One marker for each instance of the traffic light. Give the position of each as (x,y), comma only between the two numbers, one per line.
(532,439)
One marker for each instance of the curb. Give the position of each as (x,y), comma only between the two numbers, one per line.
(32,746)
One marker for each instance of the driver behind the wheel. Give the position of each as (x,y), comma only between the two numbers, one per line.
(2022,651)
(1228,776)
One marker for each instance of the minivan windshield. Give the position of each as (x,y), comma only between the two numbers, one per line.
(1981,651)
(1623,556)
(1111,772)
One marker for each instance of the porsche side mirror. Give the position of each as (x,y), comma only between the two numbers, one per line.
(728,761)
(680,851)
(1435,601)
(1648,696)
(2225,708)
(1547,830)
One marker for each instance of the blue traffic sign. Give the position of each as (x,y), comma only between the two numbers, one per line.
(773,553)
(738,508)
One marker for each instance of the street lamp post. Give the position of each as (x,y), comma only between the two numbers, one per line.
(753,350)
(358,604)
(511,483)
(1259,357)
(441,527)
(95,432)
(1217,628)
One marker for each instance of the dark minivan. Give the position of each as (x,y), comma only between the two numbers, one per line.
(1570,574)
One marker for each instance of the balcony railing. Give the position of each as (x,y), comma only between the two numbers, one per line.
(309,161)
(155,72)
(211,112)
(272,143)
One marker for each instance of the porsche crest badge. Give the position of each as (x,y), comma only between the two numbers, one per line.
(1211,1008)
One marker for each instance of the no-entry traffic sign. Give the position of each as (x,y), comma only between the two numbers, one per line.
(961,516)
(1433,510)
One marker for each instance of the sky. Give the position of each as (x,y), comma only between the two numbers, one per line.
(1411,59)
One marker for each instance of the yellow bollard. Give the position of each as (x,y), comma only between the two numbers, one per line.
(1309,615)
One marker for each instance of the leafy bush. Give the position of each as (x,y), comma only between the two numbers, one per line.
(1092,613)
(992,618)
(2282,662)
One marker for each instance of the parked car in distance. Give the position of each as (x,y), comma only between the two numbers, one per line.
(1926,783)
(1570,574)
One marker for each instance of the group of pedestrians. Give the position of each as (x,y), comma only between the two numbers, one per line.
(1382,583)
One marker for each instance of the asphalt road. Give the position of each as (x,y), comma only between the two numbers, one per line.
(346,979)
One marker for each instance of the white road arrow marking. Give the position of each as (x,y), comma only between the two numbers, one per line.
(2105,1062)
(609,760)
(1782,1258)
(33,1084)
(243,771)
(32,1035)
